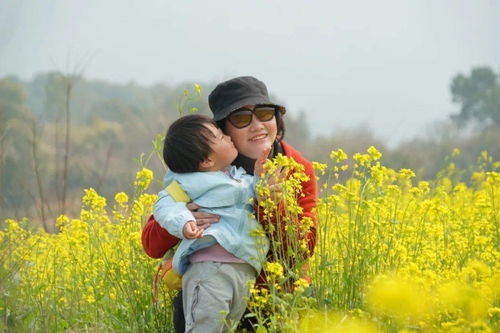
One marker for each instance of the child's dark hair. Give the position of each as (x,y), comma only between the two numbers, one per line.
(187,143)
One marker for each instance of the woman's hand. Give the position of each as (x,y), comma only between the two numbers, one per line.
(275,181)
(275,185)
(260,161)
(203,219)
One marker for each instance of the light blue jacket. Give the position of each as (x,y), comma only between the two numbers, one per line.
(218,193)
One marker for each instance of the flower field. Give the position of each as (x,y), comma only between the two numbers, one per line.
(392,255)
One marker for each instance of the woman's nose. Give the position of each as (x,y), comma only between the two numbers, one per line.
(256,123)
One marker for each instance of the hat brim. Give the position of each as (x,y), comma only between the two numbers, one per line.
(246,101)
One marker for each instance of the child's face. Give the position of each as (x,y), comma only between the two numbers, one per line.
(223,150)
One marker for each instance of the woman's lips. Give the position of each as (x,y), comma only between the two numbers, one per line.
(258,137)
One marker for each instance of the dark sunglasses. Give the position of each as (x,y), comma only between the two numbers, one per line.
(243,117)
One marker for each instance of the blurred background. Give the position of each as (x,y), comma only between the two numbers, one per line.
(86,86)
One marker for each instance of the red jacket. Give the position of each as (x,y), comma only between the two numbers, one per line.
(156,240)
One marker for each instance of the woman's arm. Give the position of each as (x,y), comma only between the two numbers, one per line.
(156,241)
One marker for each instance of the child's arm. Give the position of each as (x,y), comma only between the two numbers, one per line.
(172,215)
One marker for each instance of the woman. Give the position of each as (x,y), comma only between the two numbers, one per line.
(243,110)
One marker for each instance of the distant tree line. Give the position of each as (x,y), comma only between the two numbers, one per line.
(62,133)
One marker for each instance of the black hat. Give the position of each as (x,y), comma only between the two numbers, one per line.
(231,95)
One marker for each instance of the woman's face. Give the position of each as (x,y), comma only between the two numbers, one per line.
(253,139)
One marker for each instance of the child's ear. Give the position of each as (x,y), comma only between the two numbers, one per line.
(207,163)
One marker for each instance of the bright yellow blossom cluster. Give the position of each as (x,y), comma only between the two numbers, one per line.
(274,270)
(143,178)
(93,273)
(392,254)
(421,256)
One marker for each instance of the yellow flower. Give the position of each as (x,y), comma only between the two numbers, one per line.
(148,199)
(492,177)
(406,173)
(338,155)
(198,89)
(62,220)
(330,322)
(89,298)
(143,178)
(374,153)
(339,188)
(274,269)
(439,238)
(362,159)
(320,167)
(300,285)
(398,297)
(121,198)
(472,302)
(475,271)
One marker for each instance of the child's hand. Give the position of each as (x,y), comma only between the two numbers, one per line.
(261,160)
(191,230)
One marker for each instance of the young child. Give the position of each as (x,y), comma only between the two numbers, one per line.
(216,262)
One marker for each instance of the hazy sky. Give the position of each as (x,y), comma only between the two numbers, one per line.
(387,64)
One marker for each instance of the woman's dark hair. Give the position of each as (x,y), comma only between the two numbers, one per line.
(187,143)
(280,124)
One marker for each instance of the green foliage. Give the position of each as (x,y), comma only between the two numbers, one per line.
(12,108)
(478,96)
(14,144)
(111,124)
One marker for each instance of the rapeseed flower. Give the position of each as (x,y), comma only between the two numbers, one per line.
(121,198)
(390,255)
(143,178)
(399,298)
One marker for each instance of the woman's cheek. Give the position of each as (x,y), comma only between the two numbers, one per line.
(245,147)
(272,131)
(238,136)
